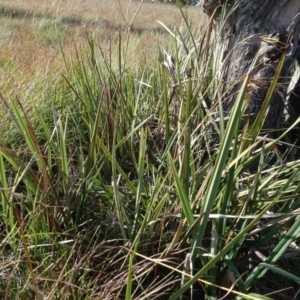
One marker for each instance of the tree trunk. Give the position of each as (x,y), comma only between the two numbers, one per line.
(270,27)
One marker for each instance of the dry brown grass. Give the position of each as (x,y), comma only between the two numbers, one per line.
(31,31)
(115,11)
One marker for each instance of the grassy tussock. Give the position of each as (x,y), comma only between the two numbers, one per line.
(121,179)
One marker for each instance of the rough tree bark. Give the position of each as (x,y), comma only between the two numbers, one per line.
(268,26)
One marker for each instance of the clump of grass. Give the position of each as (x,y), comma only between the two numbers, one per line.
(130,184)
(53,30)
(5,33)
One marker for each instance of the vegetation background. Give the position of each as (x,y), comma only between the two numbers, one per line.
(120,178)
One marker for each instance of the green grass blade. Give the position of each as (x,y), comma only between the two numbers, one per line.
(277,252)
(221,254)
(284,273)
(183,197)
(221,159)
(129,278)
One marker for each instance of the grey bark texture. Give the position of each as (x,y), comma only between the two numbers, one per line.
(268,26)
